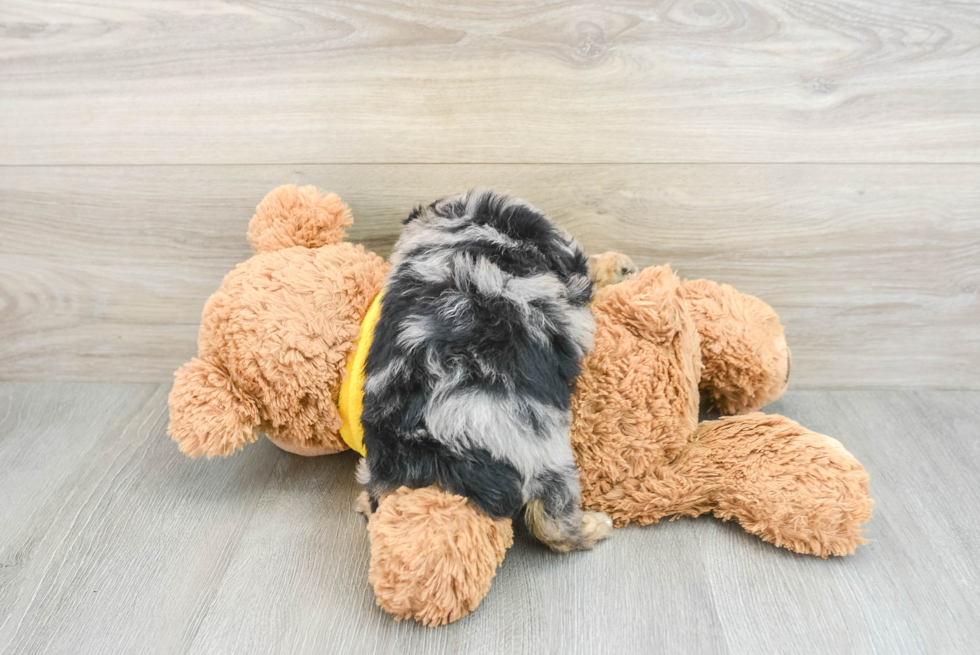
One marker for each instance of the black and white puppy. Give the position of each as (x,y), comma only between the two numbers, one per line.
(470,374)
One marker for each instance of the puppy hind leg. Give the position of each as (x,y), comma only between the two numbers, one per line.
(365,503)
(556,519)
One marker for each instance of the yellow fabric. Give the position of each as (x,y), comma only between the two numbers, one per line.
(350,403)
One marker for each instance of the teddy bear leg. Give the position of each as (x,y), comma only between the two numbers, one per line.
(743,349)
(790,486)
(433,555)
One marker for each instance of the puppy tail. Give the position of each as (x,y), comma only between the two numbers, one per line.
(208,414)
(298,216)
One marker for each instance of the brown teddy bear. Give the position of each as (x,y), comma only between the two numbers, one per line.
(278,347)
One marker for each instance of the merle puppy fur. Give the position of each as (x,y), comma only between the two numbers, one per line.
(469,377)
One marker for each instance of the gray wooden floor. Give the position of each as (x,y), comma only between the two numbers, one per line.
(112,541)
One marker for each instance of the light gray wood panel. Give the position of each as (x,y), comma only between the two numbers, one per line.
(109,542)
(46,430)
(124,82)
(104,270)
(262,552)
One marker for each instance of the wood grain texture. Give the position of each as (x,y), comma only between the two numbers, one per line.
(276,81)
(824,155)
(94,503)
(112,541)
(104,270)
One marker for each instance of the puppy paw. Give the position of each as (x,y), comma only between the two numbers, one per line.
(610,268)
(363,504)
(576,531)
(596,526)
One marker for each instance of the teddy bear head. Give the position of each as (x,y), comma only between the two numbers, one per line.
(275,338)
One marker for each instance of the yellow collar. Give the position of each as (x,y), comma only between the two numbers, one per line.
(350,403)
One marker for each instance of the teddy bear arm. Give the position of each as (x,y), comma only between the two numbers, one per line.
(743,348)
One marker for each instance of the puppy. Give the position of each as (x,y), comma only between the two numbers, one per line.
(610,268)
(469,377)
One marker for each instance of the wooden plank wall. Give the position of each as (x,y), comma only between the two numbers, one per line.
(822,155)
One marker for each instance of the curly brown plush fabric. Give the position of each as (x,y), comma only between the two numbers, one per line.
(298,216)
(743,349)
(274,339)
(642,456)
(433,555)
(636,399)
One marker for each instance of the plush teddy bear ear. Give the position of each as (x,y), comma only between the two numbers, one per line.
(208,414)
(298,216)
